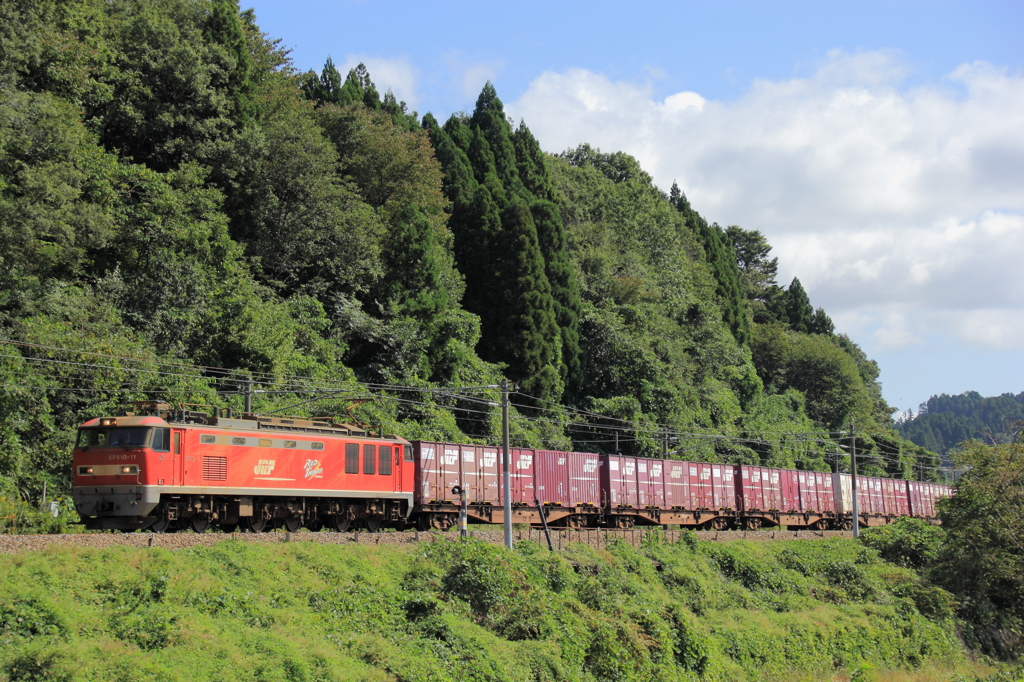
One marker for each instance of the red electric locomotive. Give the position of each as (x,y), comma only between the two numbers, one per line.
(163,469)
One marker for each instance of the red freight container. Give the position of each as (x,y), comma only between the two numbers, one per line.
(619,480)
(551,474)
(889,496)
(914,498)
(692,474)
(877,498)
(521,473)
(863,496)
(790,486)
(901,498)
(771,484)
(644,487)
(869,501)
(724,490)
(705,489)
(808,492)
(490,472)
(657,483)
(826,500)
(927,499)
(584,479)
(480,473)
(629,481)
(677,485)
(437,471)
(749,485)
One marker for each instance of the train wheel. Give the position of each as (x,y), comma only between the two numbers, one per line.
(441,521)
(292,523)
(255,524)
(720,523)
(315,524)
(341,522)
(753,524)
(373,523)
(161,526)
(228,527)
(200,524)
(624,522)
(423,522)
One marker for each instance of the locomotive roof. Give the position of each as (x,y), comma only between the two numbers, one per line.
(250,423)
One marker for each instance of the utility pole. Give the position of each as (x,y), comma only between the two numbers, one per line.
(248,395)
(463,512)
(506,459)
(853,479)
(616,441)
(664,444)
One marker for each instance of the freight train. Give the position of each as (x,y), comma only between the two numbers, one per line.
(163,469)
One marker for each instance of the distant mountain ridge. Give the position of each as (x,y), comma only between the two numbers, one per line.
(945,421)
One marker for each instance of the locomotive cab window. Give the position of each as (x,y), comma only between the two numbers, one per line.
(115,437)
(408,453)
(161,440)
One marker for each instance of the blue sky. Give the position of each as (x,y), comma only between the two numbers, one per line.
(878,145)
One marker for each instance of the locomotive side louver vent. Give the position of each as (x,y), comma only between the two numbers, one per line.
(215,468)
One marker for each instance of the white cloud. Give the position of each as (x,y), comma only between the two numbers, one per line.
(900,208)
(397,74)
(470,76)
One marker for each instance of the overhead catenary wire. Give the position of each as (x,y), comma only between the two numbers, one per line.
(566,418)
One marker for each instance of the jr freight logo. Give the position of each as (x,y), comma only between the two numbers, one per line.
(265,467)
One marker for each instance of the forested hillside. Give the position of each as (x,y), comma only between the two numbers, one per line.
(945,421)
(182,211)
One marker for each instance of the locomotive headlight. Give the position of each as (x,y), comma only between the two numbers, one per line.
(108,422)
(84,471)
(131,469)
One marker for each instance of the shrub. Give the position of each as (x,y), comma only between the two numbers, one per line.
(909,542)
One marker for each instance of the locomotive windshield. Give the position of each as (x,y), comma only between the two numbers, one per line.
(124,437)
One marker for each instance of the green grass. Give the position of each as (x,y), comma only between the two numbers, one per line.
(467,611)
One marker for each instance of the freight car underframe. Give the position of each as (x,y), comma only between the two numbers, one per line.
(131,508)
(723,519)
(443,515)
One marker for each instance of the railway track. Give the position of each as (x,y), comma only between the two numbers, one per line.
(10,544)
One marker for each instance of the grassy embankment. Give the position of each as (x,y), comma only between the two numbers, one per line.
(469,611)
